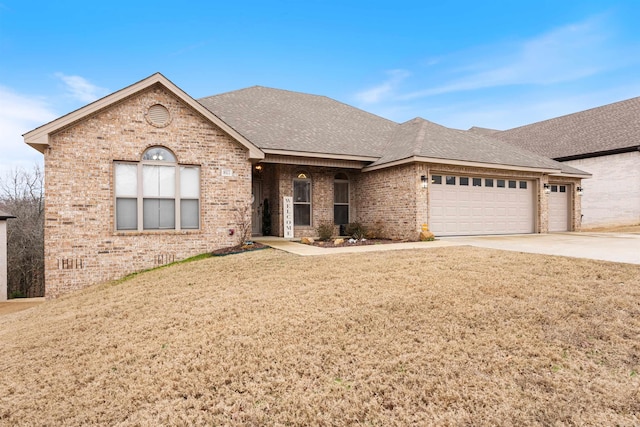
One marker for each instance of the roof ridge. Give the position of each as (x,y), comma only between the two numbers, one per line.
(420,136)
(300,93)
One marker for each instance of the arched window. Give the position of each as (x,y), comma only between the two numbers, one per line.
(165,194)
(159,154)
(341,199)
(302,199)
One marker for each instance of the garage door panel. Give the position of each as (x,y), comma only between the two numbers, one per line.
(559,208)
(466,210)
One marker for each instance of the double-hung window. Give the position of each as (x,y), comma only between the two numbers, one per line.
(302,200)
(341,199)
(157,193)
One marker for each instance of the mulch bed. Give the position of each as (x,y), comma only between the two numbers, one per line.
(238,249)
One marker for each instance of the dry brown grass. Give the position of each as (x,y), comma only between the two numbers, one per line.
(616,229)
(448,336)
(20,304)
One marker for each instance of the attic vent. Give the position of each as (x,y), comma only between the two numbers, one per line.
(158,115)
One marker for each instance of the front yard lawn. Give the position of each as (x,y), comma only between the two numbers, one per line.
(444,336)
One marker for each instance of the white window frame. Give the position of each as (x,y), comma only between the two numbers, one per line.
(140,197)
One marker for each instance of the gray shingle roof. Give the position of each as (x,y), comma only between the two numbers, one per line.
(608,128)
(422,138)
(482,131)
(284,120)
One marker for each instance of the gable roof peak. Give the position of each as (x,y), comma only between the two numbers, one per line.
(38,138)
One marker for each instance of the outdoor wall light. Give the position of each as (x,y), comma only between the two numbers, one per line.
(579,190)
(259,168)
(423,181)
(547,189)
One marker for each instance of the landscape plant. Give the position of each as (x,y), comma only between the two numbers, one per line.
(243,222)
(325,230)
(356,230)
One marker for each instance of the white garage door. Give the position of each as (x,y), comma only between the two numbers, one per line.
(464,205)
(559,208)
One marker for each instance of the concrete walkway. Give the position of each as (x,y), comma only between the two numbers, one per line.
(295,247)
(616,247)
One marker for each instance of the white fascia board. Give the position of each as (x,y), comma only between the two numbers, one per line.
(464,163)
(320,155)
(572,175)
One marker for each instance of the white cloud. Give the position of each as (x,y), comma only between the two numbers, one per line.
(18,115)
(562,55)
(81,89)
(384,89)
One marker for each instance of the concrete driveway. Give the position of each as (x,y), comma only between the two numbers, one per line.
(617,247)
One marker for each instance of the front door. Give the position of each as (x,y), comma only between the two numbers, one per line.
(256,208)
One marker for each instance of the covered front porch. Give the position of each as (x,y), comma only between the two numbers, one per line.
(318,194)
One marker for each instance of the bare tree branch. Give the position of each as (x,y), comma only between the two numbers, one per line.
(22,195)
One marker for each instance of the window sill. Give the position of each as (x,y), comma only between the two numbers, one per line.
(154,232)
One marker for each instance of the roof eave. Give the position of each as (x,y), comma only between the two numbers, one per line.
(319,155)
(40,146)
(602,153)
(466,163)
(572,175)
(39,137)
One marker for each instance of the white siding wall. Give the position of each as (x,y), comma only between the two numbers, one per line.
(612,195)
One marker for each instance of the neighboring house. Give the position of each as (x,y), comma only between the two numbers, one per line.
(603,141)
(148,175)
(3,254)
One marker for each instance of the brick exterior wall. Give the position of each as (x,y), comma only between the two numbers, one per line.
(392,200)
(389,198)
(612,195)
(81,245)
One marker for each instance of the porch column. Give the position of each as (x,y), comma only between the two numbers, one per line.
(3,254)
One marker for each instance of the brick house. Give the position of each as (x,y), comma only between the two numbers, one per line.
(149,175)
(605,141)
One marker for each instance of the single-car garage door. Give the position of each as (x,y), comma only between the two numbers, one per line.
(559,207)
(466,205)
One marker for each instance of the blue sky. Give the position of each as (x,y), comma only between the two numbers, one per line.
(497,64)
